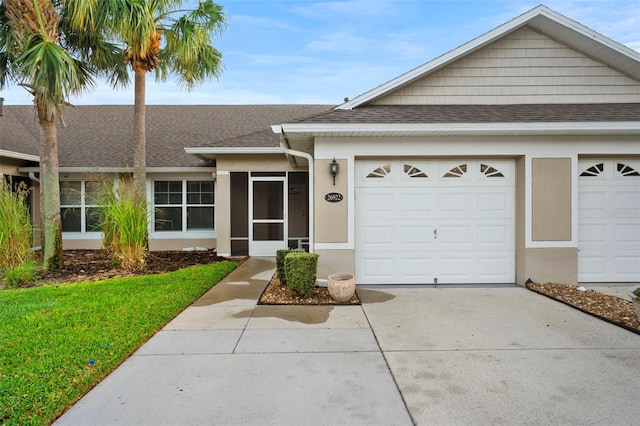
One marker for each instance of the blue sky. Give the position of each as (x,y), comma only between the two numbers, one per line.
(306,51)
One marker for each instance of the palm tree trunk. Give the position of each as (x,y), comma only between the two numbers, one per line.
(139,134)
(50,192)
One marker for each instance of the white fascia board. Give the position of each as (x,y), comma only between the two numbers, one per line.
(123,169)
(18,155)
(426,129)
(233,150)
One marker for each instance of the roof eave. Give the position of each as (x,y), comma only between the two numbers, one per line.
(462,129)
(19,155)
(210,153)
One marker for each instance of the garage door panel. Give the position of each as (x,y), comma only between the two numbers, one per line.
(454,202)
(377,205)
(492,235)
(377,269)
(414,204)
(627,200)
(378,238)
(592,263)
(454,235)
(593,233)
(627,233)
(495,203)
(450,220)
(627,265)
(609,221)
(416,270)
(494,268)
(415,238)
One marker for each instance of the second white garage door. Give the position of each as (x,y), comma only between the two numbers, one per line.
(609,220)
(437,221)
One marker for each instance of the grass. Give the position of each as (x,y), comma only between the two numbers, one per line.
(58,341)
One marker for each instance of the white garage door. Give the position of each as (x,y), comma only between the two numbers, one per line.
(426,222)
(609,220)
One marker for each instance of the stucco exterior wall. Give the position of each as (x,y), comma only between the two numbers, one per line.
(332,261)
(223,213)
(524,67)
(551,199)
(553,264)
(331,221)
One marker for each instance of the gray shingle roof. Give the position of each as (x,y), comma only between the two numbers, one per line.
(100,136)
(523,113)
(15,136)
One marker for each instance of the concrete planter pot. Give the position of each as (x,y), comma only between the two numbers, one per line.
(341,286)
(634,294)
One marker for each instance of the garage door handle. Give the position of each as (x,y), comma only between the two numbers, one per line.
(435,234)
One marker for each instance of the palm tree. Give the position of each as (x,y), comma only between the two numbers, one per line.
(158,35)
(37,49)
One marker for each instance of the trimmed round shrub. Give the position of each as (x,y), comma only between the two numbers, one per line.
(300,271)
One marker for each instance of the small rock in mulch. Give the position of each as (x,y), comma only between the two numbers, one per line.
(277,293)
(610,308)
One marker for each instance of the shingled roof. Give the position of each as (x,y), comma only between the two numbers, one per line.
(100,136)
(529,113)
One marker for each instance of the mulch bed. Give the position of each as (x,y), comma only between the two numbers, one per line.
(278,294)
(93,265)
(606,307)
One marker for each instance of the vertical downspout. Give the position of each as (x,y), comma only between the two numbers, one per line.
(285,148)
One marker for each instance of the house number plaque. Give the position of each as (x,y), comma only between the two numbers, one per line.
(333,197)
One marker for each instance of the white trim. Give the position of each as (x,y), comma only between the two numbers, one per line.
(176,235)
(223,173)
(19,155)
(172,170)
(439,129)
(80,236)
(233,150)
(540,16)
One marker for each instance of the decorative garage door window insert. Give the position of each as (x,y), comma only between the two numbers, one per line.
(598,169)
(183,205)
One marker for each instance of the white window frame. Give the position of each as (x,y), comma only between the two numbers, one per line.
(184,232)
(83,209)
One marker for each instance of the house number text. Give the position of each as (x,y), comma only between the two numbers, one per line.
(333,197)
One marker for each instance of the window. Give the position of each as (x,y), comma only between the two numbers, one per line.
(183,205)
(79,208)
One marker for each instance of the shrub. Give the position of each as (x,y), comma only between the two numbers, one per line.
(21,275)
(15,226)
(280,255)
(123,219)
(300,270)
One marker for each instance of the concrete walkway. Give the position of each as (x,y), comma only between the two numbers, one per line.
(406,356)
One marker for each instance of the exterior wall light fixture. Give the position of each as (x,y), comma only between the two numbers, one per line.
(333,169)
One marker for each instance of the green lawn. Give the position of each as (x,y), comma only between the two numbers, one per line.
(58,341)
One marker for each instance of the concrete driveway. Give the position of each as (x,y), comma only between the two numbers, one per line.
(449,356)
(494,356)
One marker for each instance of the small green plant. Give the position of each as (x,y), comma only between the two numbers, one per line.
(123,218)
(301,269)
(280,255)
(15,226)
(22,275)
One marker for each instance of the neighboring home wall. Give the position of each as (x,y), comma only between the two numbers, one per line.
(524,67)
